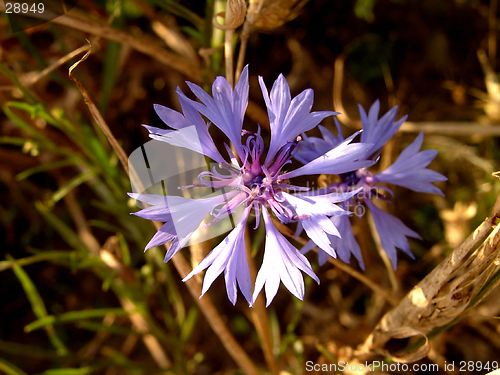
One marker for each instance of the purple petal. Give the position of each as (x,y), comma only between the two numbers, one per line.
(409,169)
(282,261)
(312,211)
(288,118)
(392,232)
(182,217)
(170,117)
(229,256)
(376,131)
(227,108)
(341,159)
(346,244)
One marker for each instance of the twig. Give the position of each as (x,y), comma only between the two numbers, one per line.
(242,52)
(213,317)
(338,80)
(451,128)
(170,35)
(141,326)
(101,122)
(454,128)
(443,296)
(365,280)
(228,48)
(31,79)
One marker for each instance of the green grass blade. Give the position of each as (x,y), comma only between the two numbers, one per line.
(126,257)
(44,168)
(65,231)
(70,185)
(72,316)
(99,327)
(70,371)
(21,142)
(54,256)
(24,350)
(9,369)
(22,124)
(189,324)
(38,306)
(176,8)
(109,73)
(13,77)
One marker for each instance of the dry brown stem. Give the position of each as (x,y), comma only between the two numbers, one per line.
(214,319)
(441,297)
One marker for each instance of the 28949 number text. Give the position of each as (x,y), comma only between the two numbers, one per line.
(24,8)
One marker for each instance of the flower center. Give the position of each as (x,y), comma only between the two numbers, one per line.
(256,181)
(350,178)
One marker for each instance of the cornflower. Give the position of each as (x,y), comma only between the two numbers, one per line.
(409,171)
(250,179)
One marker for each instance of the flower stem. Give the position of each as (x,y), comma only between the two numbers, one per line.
(214,318)
(258,313)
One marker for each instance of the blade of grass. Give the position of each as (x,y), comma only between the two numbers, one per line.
(53,256)
(176,8)
(82,136)
(189,324)
(22,124)
(13,77)
(99,327)
(71,317)
(97,148)
(70,371)
(125,251)
(69,186)
(109,73)
(64,230)
(44,168)
(10,369)
(24,350)
(38,306)
(29,46)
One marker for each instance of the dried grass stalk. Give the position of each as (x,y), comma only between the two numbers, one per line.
(443,296)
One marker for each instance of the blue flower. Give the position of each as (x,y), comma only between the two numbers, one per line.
(243,182)
(409,171)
